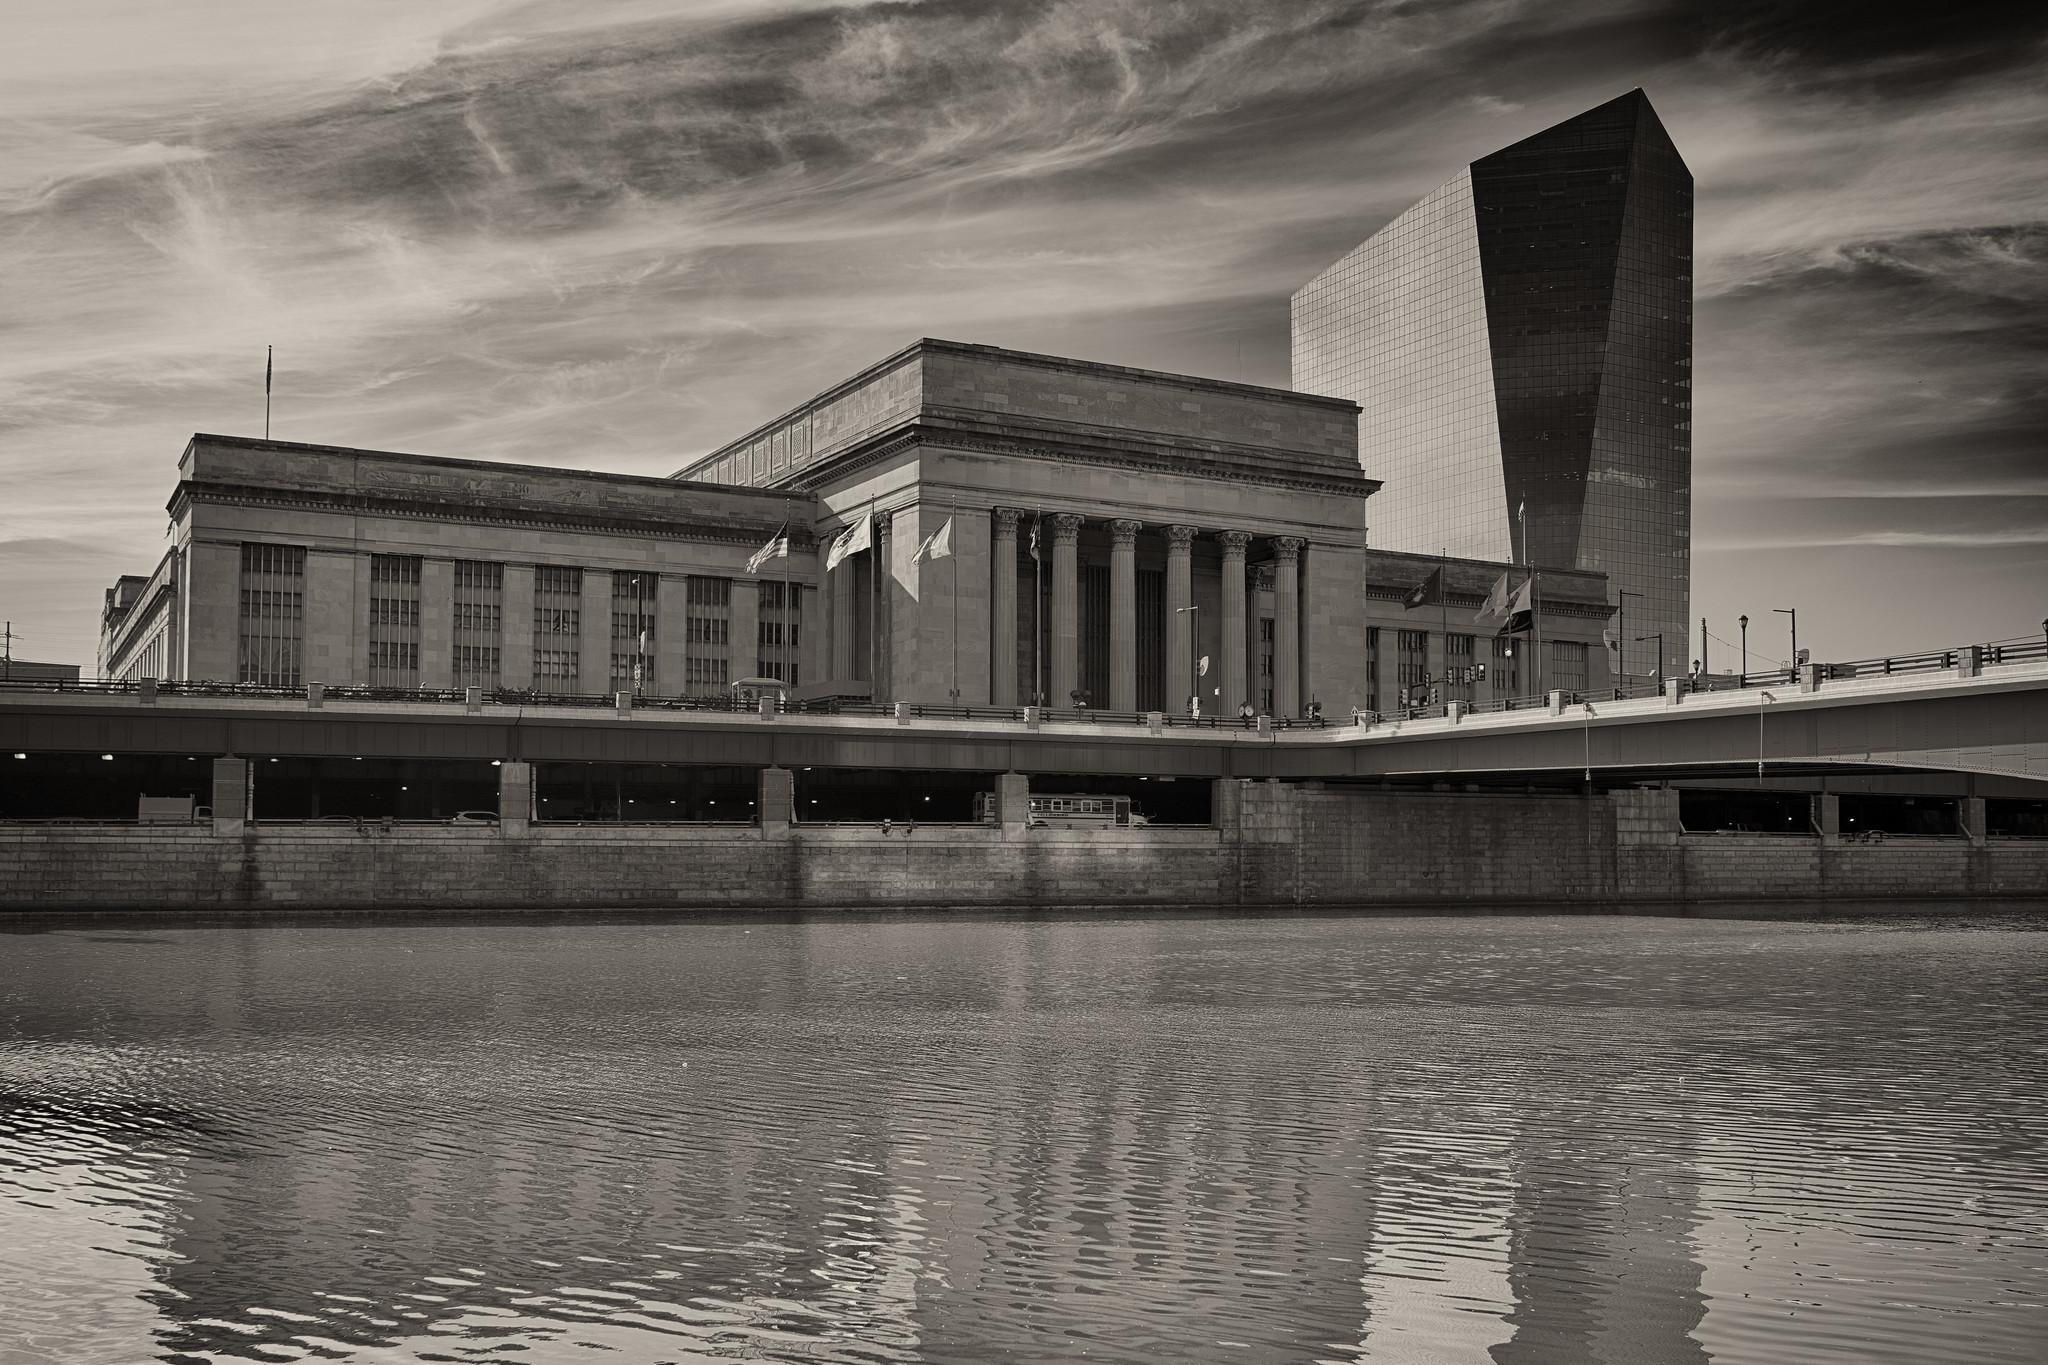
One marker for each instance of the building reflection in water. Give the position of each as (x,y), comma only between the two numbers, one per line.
(1138,1140)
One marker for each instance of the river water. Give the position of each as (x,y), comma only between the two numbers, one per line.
(1126,1140)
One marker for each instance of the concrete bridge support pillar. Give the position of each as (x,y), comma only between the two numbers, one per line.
(1180,622)
(1013,804)
(1002,676)
(230,796)
(1827,817)
(1286,627)
(1971,812)
(515,797)
(776,801)
(1234,693)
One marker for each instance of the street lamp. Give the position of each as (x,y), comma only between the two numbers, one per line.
(1658,636)
(1622,631)
(1792,612)
(1743,680)
(1194,674)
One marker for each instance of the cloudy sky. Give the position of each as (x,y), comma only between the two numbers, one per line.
(613,233)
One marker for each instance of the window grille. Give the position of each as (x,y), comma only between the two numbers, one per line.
(394,621)
(1411,666)
(633,607)
(557,628)
(781,610)
(1568,665)
(707,634)
(272,618)
(1506,673)
(479,623)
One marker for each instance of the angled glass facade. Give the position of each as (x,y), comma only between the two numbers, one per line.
(1521,339)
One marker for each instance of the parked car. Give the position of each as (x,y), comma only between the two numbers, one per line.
(474,817)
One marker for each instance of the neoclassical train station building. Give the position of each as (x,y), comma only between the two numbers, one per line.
(958,524)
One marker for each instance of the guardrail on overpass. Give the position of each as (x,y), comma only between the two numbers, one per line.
(1981,708)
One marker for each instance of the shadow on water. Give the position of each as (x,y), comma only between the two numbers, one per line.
(1138,1138)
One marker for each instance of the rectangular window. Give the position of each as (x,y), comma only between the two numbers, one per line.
(1459,667)
(633,599)
(479,623)
(780,617)
(1411,667)
(557,628)
(271,635)
(394,621)
(1568,665)
(707,635)
(1372,668)
(1506,671)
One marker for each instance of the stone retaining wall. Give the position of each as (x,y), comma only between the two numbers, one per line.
(1273,845)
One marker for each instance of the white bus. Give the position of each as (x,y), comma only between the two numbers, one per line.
(1065,810)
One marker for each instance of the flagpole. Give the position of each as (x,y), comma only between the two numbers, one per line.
(952,506)
(1443,611)
(268,353)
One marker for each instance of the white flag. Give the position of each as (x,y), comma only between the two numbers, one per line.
(852,541)
(776,548)
(937,545)
(1202,669)
(1495,607)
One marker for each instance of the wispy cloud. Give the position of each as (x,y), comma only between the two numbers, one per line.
(616,233)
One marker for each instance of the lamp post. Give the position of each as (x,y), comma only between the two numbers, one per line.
(1792,612)
(1194,649)
(1658,636)
(1743,680)
(1622,632)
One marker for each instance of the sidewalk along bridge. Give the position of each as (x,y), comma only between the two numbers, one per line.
(1978,709)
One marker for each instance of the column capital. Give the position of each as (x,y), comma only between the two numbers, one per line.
(1285,548)
(1065,526)
(1234,542)
(1006,521)
(1180,539)
(1124,534)
(882,522)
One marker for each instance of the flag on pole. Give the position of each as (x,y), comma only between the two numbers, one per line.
(1495,607)
(937,545)
(852,541)
(1427,593)
(1202,669)
(268,353)
(1521,611)
(776,548)
(1610,639)
(1034,536)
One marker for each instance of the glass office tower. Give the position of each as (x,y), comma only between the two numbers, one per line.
(1521,341)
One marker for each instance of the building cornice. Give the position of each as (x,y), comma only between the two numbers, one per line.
(193,493)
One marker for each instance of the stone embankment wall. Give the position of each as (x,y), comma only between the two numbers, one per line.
(1273,845)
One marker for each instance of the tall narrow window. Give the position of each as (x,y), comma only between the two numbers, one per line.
(1507,668)
(557,628)
(394,621)
(633,597)
(272,624)
(1567,665)
(1460,667)
(1412,667)
(707,635)
(1372,668)
(780,613)
(1266,665)
(479,623)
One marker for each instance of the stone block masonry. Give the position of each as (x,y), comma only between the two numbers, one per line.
(1273,846)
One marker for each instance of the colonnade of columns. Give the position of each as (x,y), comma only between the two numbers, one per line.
(1062,633)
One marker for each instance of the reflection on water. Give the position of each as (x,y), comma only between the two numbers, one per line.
(1513,1140)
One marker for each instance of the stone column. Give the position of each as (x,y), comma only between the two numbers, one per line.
(594,634)
(1235,690)
(515,798)
(437,623)
(515,628)
(1180,623)
(882,615)
(842,621)
(1827,813)
(816,656)
(1002,567)
(1066,616)
(1013,804)
(1971,812)
(1123,616)
(1286,627)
